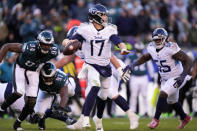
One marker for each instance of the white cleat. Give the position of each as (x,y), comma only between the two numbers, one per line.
(133,124)
(77,125)
(98,123)
(134,119)
(86,123)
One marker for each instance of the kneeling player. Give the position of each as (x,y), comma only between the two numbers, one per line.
(53,84)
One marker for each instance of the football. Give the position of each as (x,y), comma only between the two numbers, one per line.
(72,47)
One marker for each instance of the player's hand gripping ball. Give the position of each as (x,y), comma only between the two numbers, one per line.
(71,46)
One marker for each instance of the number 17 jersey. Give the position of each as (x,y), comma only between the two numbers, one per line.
(97,44)
(167,66)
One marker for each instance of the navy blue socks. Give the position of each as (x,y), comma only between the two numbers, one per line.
(122,103)
(90,100)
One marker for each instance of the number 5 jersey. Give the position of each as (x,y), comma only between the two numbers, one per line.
(167,66)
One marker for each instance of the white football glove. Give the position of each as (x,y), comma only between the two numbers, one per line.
(124,76)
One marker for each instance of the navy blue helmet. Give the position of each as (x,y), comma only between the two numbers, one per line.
(72,31)
(48,72)
(45,38)
(96,12)
(159,37)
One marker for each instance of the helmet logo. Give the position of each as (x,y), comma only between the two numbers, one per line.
(93,11)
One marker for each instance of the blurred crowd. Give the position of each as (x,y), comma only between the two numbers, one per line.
(22,20)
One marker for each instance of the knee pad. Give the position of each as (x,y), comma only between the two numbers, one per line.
(103,93)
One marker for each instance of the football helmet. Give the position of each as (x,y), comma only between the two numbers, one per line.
(139,46)
(95,14)
(72,31)
(48,73)
(46,40)
(159,37)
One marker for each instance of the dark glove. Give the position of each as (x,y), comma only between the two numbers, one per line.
(58,110)
(179,80)
(70,121)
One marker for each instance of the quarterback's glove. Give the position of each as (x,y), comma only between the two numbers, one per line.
(124,76)
(127,71)
(179,80)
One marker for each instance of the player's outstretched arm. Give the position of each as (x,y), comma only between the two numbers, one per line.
(65,60)
(185,60)
(63,96)
(146,57)
(13,47)
(143,59)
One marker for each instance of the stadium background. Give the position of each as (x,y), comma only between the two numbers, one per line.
(22,20)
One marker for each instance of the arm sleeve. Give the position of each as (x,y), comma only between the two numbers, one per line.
(115,39)
(78,37)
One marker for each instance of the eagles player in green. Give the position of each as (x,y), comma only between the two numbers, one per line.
(53,84)
(139,79)
(26,72)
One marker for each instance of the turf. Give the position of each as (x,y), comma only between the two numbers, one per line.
(118,124)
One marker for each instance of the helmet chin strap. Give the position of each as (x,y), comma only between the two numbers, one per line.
(44,51)
(49,83)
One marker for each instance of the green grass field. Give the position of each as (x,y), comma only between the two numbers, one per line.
(117,124)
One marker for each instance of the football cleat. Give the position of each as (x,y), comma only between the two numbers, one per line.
(41,124)
(86,123)
(77,125)
(153,124)
(17,126)
(98,123)
(133,118)
(185,122)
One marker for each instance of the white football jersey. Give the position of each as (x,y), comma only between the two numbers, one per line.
(167,66)
(97,46)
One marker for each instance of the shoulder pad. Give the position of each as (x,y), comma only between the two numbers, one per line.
(113,26)
(171,44)
(54,50)
(61,73)
(84,24)
(30,46)
(150,44)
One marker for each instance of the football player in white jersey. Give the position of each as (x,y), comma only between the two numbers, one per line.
(113,90)
(174,68)
(96,37)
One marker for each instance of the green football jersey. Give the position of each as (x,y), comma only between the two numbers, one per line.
(60,80)
(31,57)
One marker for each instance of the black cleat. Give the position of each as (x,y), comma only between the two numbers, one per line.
(17,126)
(41,124)
(70,121)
